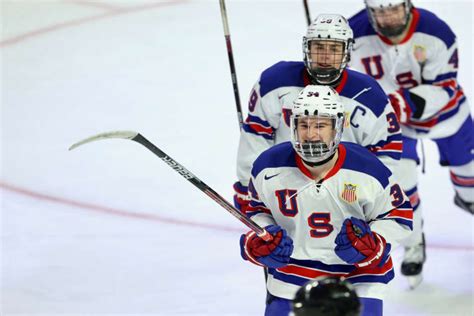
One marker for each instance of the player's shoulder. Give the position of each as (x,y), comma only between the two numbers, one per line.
(360,159)
(371,94)
(281,155)
(282,74)
(360,24)
(429,23)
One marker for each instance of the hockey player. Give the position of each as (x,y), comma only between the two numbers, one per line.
(414,56)
(370,120)
(333,208)
(326,296)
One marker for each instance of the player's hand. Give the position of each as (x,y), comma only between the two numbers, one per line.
(357,244)
(402,105)
(272,254)
(241,197)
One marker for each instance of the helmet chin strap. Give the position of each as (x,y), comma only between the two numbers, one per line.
(319,163)
(332,84)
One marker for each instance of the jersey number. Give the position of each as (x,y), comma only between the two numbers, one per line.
(393,124)
(397,195)
(253,100)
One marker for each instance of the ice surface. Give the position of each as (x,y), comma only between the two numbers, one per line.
(109,229)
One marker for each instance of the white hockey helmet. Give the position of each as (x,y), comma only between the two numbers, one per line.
(328,27)
(315,107)
(389,31)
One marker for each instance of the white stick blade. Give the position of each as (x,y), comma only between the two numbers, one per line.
(106,135)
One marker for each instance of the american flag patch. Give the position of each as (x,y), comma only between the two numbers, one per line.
(349,193)
(420,53)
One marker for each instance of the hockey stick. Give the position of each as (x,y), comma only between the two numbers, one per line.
(262,233)
(230,55)
(306,11)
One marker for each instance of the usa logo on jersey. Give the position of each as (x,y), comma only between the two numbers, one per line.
(349,193)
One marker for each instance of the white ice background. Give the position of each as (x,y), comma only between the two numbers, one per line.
(109,229)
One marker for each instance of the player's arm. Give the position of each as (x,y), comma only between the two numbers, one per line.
(391,213)
(256,136)
(382,136)
(367,242)
(438,94)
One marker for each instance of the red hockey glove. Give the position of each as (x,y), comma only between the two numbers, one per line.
(402,104)
(272,254)
(357,244)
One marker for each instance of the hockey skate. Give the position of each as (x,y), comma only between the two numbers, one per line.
(412,264)
(467,206)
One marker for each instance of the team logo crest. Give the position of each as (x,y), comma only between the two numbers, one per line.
(349,193)
(420,53)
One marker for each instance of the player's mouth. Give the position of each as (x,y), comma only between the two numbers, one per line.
(320,65)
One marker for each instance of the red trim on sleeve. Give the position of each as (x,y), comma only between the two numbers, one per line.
(407,214)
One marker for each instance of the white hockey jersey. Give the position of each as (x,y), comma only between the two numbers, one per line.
(425,62)
(370,120)
(359,185)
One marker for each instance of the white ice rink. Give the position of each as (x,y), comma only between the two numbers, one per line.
(109,229)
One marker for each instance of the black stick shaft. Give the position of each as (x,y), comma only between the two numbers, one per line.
(262,233)
(306,11)
(230,56)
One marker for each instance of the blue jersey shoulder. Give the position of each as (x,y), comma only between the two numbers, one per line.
(360,159)
(374,98)
(430,24)
(360,25)
(281,155)
(282,74)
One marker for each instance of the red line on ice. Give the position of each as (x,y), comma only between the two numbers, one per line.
(119,11)
(113,211)
(152,217)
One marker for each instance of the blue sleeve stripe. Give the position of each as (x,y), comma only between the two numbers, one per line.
(442,77)
(450,91)
(254,203)
(256,119)
(249,214)
(391,139)
(410,192)
(249,130)
(404,222)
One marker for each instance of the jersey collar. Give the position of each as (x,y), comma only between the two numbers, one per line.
(414,23)
(337,166)
(340,85)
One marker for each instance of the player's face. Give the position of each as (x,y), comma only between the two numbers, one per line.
(326,54)
(391,17)
(315,129)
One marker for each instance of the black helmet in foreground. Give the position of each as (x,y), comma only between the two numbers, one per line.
(326,296)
